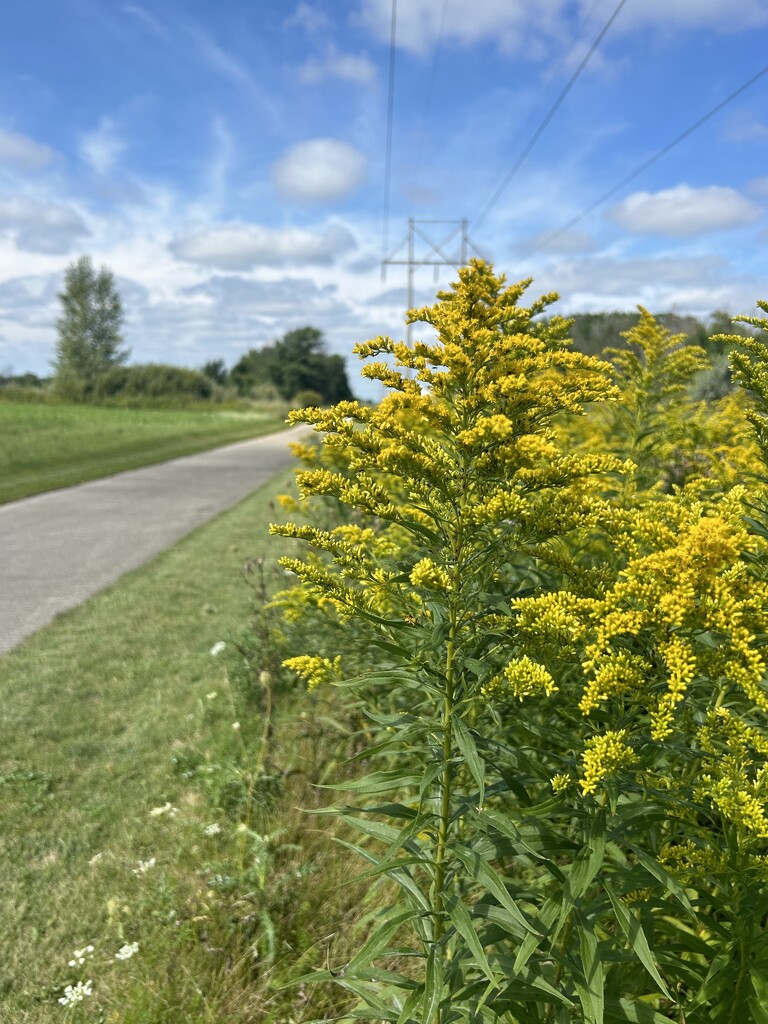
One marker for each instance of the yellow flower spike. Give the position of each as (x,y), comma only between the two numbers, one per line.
(604,755)
(426,574)
(314,670)
(522,677)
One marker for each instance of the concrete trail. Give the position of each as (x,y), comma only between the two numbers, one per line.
(58,548)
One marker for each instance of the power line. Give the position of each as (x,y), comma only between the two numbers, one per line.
(548,117)
(388,144)
(430,92)
(648,163)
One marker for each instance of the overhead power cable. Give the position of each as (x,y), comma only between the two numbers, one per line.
(648,163)
(388,144)
(548,117)
(430,92)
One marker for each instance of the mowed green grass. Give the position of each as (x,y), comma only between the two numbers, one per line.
(46,446)
(95,707)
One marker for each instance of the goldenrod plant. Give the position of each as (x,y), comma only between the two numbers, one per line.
(560,666)
(462,485)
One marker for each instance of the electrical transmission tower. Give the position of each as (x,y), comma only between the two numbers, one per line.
(429,253)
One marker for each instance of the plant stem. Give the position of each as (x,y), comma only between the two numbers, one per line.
(438,902)
(445,802)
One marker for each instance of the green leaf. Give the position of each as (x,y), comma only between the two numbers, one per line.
(591,987)
(411,1005)
(488,877)
(627,1011)
(377,782)
(660,874)
(433,984)
(378,940)
(497,822)
(635,936)
(588,860)
(430,774)
(462,922)
(474,762)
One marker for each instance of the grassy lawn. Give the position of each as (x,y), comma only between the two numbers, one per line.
(133,811)
(43,447)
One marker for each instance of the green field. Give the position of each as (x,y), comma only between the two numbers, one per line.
(43,447)
(109,713)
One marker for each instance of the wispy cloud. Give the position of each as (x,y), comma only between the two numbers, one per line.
(101,148)
(22,152)
(148,20)
(308,18)
(242,246)
(229,67)
(348,67)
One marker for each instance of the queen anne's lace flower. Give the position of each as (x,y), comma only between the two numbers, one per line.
(126,951)
(76,993)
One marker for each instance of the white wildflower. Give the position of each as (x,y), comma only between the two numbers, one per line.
(144,866)
(212,695)
(212,830)
(79,956)
(167,808)
(76,993)
(236,726)
(126,951)
(217,648)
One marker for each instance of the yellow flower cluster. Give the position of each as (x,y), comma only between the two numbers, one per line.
(604,755)
(741,800)
(314,670)
(521,677)
(618,673)
(426,574)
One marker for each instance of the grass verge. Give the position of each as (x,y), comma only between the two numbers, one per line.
(133,811)
(43,447)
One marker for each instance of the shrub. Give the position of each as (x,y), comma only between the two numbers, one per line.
(153,380)
(306,398)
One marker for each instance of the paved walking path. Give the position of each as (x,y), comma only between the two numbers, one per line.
(58,548)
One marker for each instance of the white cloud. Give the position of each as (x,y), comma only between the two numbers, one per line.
(348,67)
(101,149)
(567,242)
(745,127)
(308,18)
(682,211)
(41,227)
(689,14)
(149,21)
(22,152)
(531,28)
(320,170)
(509,23)
(30,300)
(240,246)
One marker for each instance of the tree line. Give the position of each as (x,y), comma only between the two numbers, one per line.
(91,354)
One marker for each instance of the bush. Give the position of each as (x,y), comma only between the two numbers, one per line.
(306,398)
(153,380)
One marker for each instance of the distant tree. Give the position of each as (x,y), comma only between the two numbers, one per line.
(298,362)
(89,336)
(216,370)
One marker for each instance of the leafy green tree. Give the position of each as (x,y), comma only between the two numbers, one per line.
(297,362)
(216,370)
(90,341)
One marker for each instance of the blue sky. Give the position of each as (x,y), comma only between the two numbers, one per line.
(226,160)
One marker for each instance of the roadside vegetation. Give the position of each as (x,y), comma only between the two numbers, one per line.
(154,760)
(508,650)
(48,445)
